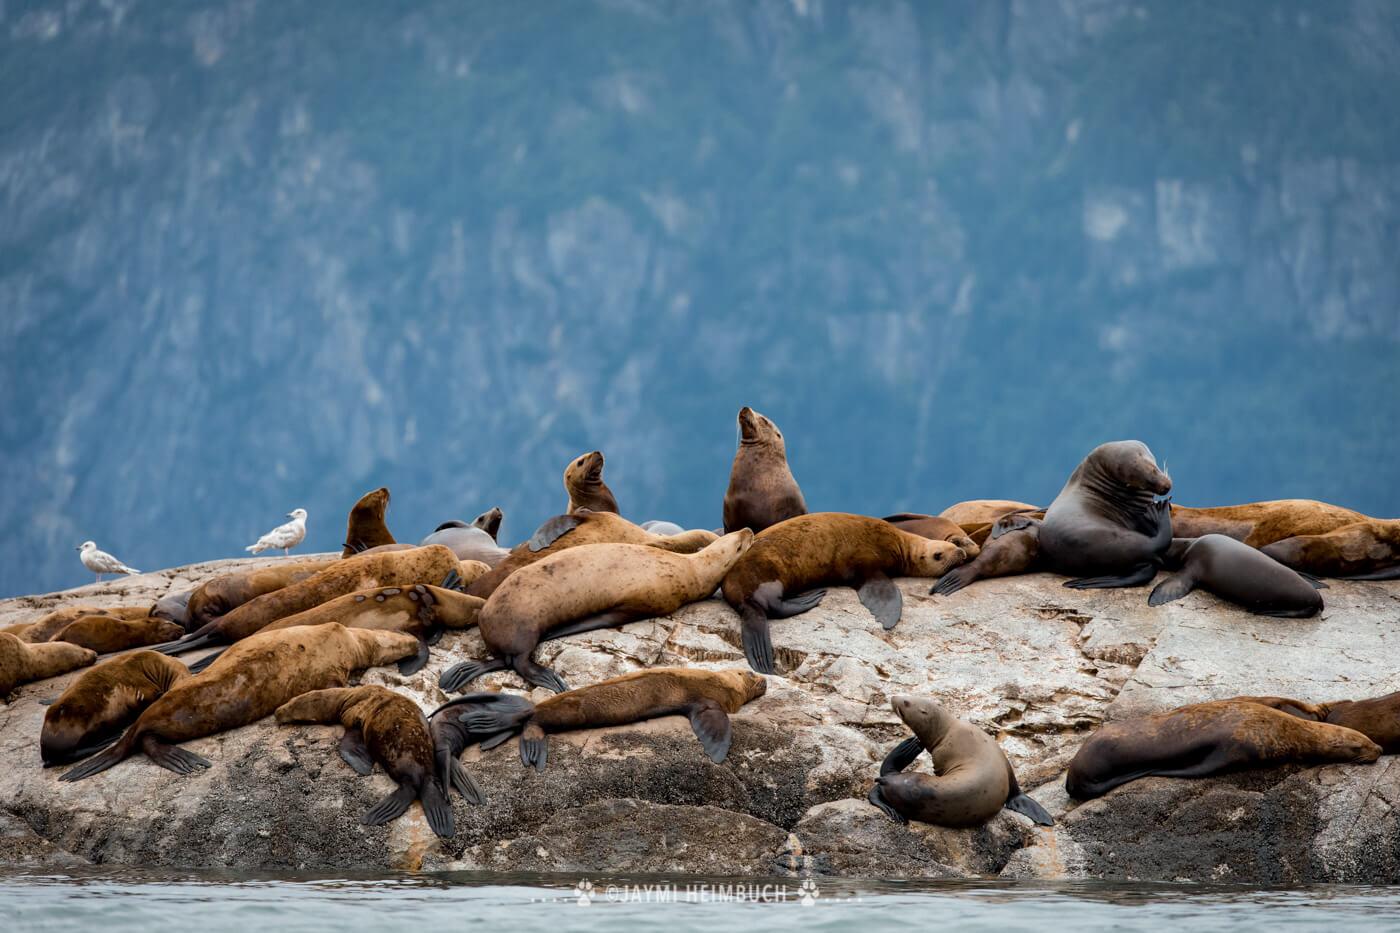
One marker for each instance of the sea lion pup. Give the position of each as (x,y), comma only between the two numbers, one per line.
(223,594)
(972,777)
(365,526)
(1010,549)
(566,531)
(705,697)
(1105,528)
(21,662)
(106,634)
(1208,738)
(984,511)
(1236,572)
(586,588)
(583,481)
(381,726)
(780,575)
(1261,523)
(248,682)
(470,542)
(762,491)
(173,607)
(434,565)
(935,528)
(97,706)
(1367,550)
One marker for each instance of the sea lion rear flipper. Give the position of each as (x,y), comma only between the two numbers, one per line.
(1027,806)
(787,608)
(436,809)
(1171,589)
(1142,573)
(879,594)
(459,675)
(354,751)
(453,581)
(879,800)
(758,644)
(464,784)
(613,619)
(539,675)
(534,747)
(712,728)
(414,664)
(490,713)
(204,662)
(902,755)
(181,645)
(552,531)
(1316,583)
(498,739)
(391,807)
(172,757)
(1385,573)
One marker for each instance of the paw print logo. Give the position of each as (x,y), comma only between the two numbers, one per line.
(809,892)
(583,892)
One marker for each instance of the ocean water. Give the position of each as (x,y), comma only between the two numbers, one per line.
(133,901)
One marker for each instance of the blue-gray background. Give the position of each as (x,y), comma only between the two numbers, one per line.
(260,255)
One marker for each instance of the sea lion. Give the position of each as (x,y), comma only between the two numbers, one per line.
(1261,523)
(659,527)
(50,625)
(173,607)
(1366,550)
(100,703)
(583,481)
(434,565)
(1105,527)
(489,522)
(935,528)
(586,588)
(984,511)
(762,491)
(225,593)
(779,575)
(17,630)
(1377,718)
(1007,552)
(468,542)
(566,531)
(705,697)
(21,662)
(365,526)
(1237,572)
(1208,738)
(972,777)
(106,634)
(248,682)
(381,726)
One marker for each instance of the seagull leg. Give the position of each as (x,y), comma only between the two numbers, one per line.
(99,578)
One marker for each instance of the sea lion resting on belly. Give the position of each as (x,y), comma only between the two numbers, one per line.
(103,701)
(365,528)
(476,541)
(984,511)
(1367,550)
(106,634)
(223,594)
(1237,572)
(1261,523)
(50,625)
(1012,548)
(21,662)
(935,528)
(583,481)
(248,682)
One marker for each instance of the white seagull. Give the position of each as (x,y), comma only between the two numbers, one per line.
(100,562)
(285,536)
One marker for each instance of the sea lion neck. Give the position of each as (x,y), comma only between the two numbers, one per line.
(1109,491)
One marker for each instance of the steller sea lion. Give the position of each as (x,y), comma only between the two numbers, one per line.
(17,630)
(1205,739)
(586,588)
(21,662)
(1010,550)
(365,528)
(468,542)
(1367,550)
(173,607)
(1105,527)
(762,490)
(383,726)
(1237,572)
(984,511)
(489,522)
(106,634)
(1261,523)
(248,682)
(54,622)
(100,703)
(434,565)
(705,697)
(1377,718)
(826,548)
(583,481)
(226,592)
(935,528)
(972,777)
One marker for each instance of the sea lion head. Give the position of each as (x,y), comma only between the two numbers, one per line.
(371,505)
(749,684)
(1350,744)
(587,468)
(929,720)
(730,547)
(934,558)
(759,430)
(490,521)
(1131,464)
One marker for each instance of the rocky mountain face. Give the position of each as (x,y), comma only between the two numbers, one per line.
(259,255)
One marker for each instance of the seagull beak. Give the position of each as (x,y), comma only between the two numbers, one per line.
(78,548)
(289,514)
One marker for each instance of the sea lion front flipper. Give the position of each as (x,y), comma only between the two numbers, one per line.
(414,664)
(204,662)
(500,738)
(712,728)
(538,675)
(803,602)
(1172,589)
(453,581)
(552,531)
(464,784)
(355,752)
(172,757)
(954,580)
(534,747)
(879,594)
(758,644)
(1316,583)
(1028,807)
(879,800)
(436,809)
(1142,573)
(902,755)
(391,807)
(459,675)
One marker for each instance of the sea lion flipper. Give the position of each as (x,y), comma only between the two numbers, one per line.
(534,747)
(415,663)
(902,755)
(495,712)
(355,752)
(499,738)
(878,799)
(172,757)
(464,784)
(796,605)
(1029,807)
(459,675)
(204,662)
(879,594)
(1385,573)
(712,728)
(1316,583)
(953,580)
(552,531)
(391,807)
(1171,589)
(539,675)
(758,644)
(1142,573)
(453,581)
(436,809)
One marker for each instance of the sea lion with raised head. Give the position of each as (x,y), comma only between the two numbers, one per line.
(762,491)
(1366,550)
(935,528)
(587,588)
(365,528)
(248,682)
(490,521)
(972,777)
(385,727)
(470,542)
(780,575)
(583,481)
(215,598)
(984,511)
(106,634)
(1236,572)
(1261,523)
(1010,549)
(21,663)
(100,703)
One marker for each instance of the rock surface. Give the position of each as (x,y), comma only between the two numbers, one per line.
(1035,664)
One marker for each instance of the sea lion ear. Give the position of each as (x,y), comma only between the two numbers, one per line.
(554,529)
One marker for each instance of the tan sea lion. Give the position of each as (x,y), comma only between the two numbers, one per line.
(984,511)
(779,575)
(1236,572)
(705,697)
(223,594)
(1208,738)
(17,630)
(583,481)
(762,491)
(365,526)
(586,588)
(100,703)
(972,777)
(935,528)
(1367,550)
(1013,550)
(1261,523)
(47,626)
(433,565)
(21,662)
(106,634)
(383,726)
(1377,718)
(248,682)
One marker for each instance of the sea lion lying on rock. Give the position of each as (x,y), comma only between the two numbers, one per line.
(21,663)
(1011,548)
(51,624)
(106,634)
(103,701)
(223,594)
(1260,523)
(1368,550)
(1237,572)
(935,528)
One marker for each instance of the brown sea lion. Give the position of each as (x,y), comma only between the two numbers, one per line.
(1105,528)
(586,588)
(1367,550)
(106,634)
(1208,738)
(100,703)
(1236,572)
(21,662)
(17,630)
(381,726)
(762,491)
(174,607)
(583,481)
(984,511)
(433,565)
(935,528)
(566,531)
(46,627)
(365,526)
(1011,550)
(1377,718)
(779,575)
(1261,523)
(226,592)
(972,777)
(248,682)
(705,697)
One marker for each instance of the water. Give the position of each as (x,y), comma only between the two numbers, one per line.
(127,901)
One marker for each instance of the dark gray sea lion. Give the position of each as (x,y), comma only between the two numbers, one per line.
(1237,572)
(174,607)
(762,491)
